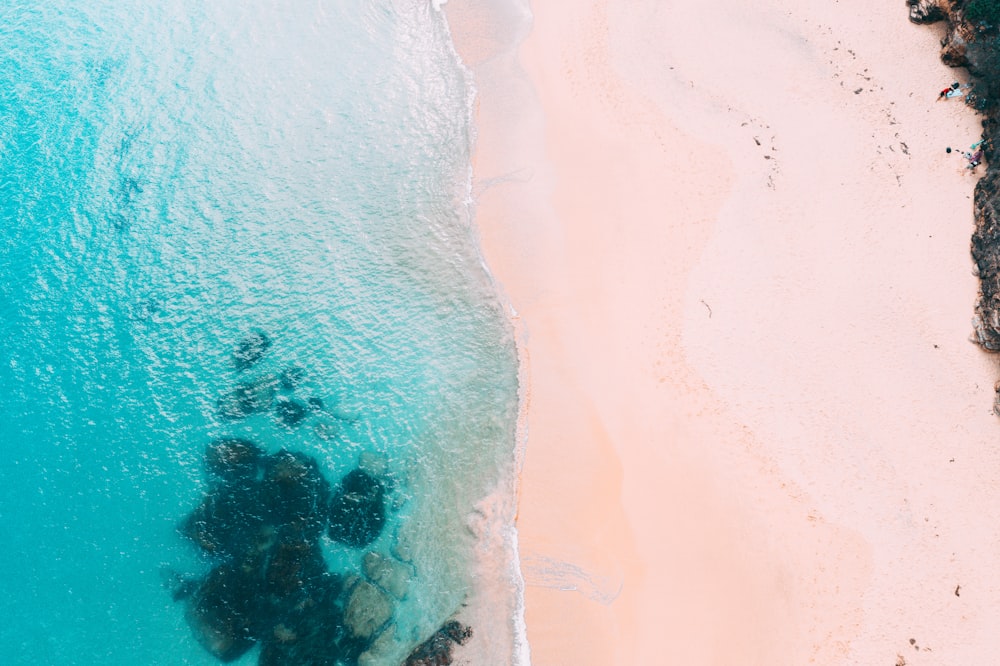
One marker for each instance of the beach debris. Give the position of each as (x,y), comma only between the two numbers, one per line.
(251,349)
(957,587)
(975,159)
(436,650)
(956,89)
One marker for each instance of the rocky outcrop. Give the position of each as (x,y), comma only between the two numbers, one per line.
(925,11)
(436,650)
(976,46)
(954,49)
(986,254)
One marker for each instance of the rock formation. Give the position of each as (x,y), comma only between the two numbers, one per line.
(261,523)
(261,526)
(976,46)
(357,511)
(249,397)
(925,11)
(436,650)
(251,349)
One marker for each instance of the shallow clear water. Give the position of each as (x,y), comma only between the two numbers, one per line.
(172,178)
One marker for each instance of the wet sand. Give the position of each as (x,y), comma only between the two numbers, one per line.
(754,428)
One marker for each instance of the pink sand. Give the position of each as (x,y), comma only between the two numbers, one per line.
(756,431)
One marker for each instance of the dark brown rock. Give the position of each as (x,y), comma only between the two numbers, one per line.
(925,11)
(436,650)
(986,254)
(954,50)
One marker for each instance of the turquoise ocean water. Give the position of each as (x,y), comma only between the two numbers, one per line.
(174,176)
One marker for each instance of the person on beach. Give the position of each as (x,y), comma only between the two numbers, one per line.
(943,94)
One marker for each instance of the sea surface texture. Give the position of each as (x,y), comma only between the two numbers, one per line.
(246,222)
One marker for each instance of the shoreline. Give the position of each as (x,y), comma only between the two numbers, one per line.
(705,479)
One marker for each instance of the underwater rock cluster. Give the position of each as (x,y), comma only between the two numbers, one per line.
(262,524)
(259,394)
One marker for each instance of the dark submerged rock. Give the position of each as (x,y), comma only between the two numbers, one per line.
(251,349)
(291,377)
(361,482)
(310,633)
(229,521)
(261,521)
(291,575)
(296,495)
(357,510)
(436,650)
(222,612)
(233,459)
(181,586)
(326,430)
(290,411)
(367,612)
(389,574)
(247,398)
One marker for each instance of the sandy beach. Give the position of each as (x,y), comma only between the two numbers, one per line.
(737,257)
